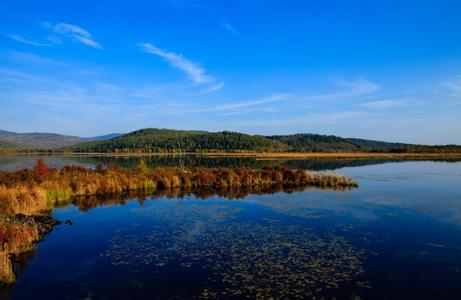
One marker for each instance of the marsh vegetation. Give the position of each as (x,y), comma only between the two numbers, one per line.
(29,191)
(18,234)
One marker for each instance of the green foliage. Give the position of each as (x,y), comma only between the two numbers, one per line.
(58,197)
(165,140)
(316,143)
(370,144)
(151,140)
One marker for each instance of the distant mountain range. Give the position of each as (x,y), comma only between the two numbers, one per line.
(167,140)
(38,140)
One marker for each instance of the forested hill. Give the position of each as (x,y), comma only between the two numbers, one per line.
(35,140)
(38,140)
(307,142)
(315,142)
(167,140)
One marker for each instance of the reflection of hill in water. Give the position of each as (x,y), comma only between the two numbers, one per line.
(86,203)
(18,234)
(241,256)
(11,163)
(232,162)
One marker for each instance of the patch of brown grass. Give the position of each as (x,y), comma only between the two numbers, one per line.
(22,199)
(30,191)
(16,237)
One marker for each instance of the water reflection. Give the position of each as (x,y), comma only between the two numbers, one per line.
(253,258)
(19,234)
(398,236)
(85,203)
(15,162)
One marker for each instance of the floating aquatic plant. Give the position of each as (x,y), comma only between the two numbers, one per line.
(258,258)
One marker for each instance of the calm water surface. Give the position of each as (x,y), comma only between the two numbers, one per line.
(397,236)
(15,162)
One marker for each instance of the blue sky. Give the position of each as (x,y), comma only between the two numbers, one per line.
(387,70)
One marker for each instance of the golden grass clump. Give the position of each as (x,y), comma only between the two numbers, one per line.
(31,191)
(16,236)
(22,199)
(6,269)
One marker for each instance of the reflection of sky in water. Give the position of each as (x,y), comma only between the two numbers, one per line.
(433,189)
(245,250)
(396,236)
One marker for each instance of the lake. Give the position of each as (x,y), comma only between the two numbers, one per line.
(397,236)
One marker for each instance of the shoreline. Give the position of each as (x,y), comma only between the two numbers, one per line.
(256,155)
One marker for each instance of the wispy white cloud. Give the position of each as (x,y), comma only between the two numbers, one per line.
(453,86)
(384,104)
(193,70)
(239,107)
(196,73)
(13,75)
(270,99)
(332,116)
(351,89)
(54,39)
(29,58)
(108,87)
(21,39)
(213,88)
(228,27)
(75,33)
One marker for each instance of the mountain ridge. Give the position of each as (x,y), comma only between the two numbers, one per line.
(157,140)
(149,140)
(42,140)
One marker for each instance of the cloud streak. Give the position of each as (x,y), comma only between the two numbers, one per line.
(196,73)
(383,104)
(230,28)
(213,88)
(29,58)
(73,32)
(26,41)
(453,86)
(353,88)
(241,107)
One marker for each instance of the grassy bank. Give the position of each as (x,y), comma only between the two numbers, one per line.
(17,236)
(29,191)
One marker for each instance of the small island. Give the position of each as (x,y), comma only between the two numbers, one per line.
(29,191)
